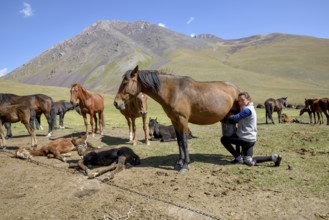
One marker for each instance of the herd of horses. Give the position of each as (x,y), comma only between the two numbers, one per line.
(183,99)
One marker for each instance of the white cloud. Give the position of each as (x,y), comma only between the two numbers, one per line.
(3,71)
(192,35)
(162,25)
(190,20)
(27,10)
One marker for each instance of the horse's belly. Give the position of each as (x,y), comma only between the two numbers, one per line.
(206,119)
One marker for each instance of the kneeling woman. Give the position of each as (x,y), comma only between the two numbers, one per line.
(246,135)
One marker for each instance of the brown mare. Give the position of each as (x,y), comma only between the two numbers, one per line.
(56,148)
(39,103)
(134,108)
(324,105)
(89,103)
(13,114)
(314,106)
(274,105)
(183,99)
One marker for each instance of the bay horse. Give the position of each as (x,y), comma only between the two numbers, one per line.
(314,106)
(114,158)
(274,105)
(16,113)
(56,148)
(40,103)
(61,107)
(164,133)
(183,99)
(136,107)
(90,103)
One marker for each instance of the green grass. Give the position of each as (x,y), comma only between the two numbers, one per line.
(304,147)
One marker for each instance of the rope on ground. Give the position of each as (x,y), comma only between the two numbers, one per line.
(145,195)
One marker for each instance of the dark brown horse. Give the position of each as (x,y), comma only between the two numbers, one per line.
(314,106)
(39,103)
(134,108)
(274,105)
(89,103)
(183,99)
(324,105)
(16,113)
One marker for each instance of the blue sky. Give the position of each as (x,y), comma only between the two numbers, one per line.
(30,27)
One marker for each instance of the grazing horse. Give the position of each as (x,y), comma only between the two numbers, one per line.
(134,108)
(56,148)
(40,103)
(308,110)
(13,114)
(162,132)
(115,158)
(324,105)
(89,103)
(61,107)
(183,99)
(313,105)
(274,105)
(286,119)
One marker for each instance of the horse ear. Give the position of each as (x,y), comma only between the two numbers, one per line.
(132,74)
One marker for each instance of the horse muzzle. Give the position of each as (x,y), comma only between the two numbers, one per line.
(119,105)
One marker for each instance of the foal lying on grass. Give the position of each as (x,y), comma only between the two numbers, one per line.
(56,148)
(115,158)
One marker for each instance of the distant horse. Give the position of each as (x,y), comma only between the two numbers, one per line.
(134,108)
(16,113)
(40,103)
(274,105)
(89,103)
(162,132)
(324,105)
(115,158)
(308,110)
(286,119)
(56,148)
(314,106)
(183,99)
(61,107)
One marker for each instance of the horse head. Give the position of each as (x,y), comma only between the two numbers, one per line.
(153,127)
(283,101)
(75,91)
(22,153)
(129,88)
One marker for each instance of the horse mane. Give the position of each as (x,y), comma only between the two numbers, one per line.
(150,79)
(5,97)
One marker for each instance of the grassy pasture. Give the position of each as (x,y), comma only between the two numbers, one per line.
(304,147)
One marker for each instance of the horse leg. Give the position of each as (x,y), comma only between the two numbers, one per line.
(31,131)
(310,115)
(133,122)
(3,139)
(84,115)
(8,128)
(102,171)
(182,133)
(179,163)
(279,116)
(101,121)
(129,127)
(92,117)
(61,120)
(145,129)
(96,123)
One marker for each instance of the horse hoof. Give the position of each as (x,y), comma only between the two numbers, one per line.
(178,167)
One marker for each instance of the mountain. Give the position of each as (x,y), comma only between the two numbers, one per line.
(268,65)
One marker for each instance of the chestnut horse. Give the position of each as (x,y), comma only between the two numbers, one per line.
(274,105)
(89,103)
(183,99)
(13,114)
(40,103)
(56,148)
(134,108)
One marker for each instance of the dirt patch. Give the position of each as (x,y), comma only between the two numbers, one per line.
(50,190)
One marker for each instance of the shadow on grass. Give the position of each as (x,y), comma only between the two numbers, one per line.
(167,162)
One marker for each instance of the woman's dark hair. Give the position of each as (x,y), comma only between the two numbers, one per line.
(245,94)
